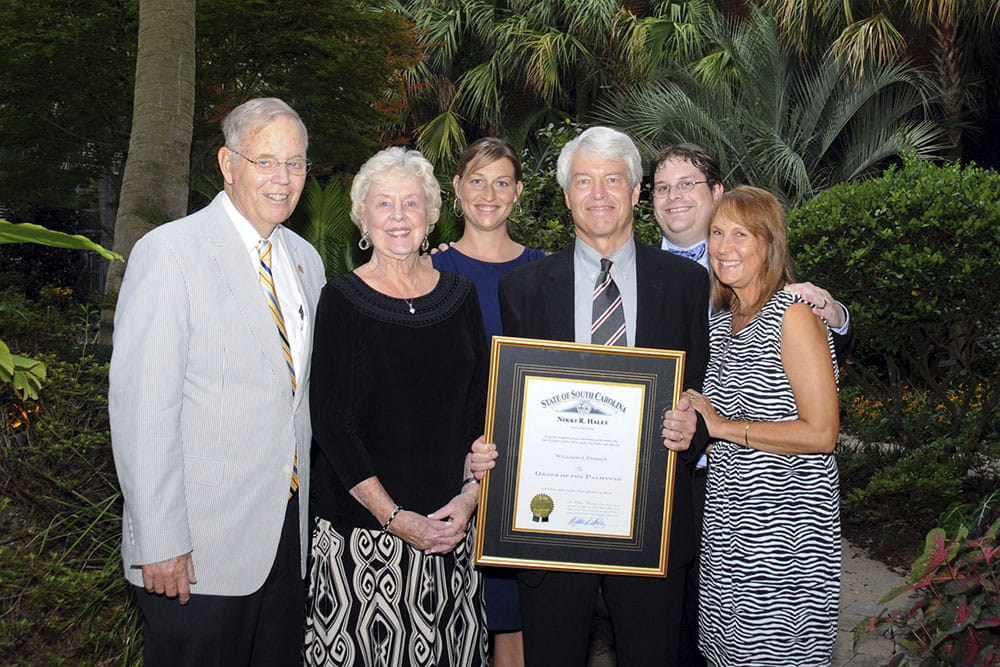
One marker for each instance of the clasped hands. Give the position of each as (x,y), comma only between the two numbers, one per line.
(442,530)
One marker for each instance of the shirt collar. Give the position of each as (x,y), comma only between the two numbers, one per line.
(590,259)
(247,233)
(676,249)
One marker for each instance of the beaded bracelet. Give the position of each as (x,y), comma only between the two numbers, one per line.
(388,522)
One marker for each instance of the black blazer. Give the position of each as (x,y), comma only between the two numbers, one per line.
(536,301)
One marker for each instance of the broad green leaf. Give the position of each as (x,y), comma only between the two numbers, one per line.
(30,233)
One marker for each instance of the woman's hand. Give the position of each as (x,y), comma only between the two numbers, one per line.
(455,517)
(704,407)
(417,530)
(482,457)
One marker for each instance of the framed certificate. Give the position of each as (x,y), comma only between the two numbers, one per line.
(583,482)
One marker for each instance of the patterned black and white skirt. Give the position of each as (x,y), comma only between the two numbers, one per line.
(375,601)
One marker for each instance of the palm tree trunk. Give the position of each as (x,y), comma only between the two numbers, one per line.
(155,179)
(949,62)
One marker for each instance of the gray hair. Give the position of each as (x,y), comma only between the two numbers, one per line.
(255,113)
(606,144)
(400,163)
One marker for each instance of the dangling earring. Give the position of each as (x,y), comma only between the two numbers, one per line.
(518,210)
(364,242)
(425,244)
(456,206)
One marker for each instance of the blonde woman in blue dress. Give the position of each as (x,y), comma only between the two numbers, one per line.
(770,562)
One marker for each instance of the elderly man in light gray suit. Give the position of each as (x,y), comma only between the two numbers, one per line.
(209,407)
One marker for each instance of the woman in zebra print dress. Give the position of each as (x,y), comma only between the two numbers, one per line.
(770,561)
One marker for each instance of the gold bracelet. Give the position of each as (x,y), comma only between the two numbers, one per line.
(746,435)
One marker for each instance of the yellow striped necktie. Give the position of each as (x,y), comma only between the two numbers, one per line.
(271,296)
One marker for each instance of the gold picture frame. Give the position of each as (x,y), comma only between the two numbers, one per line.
(583,482)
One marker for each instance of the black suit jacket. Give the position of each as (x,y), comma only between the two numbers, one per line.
(536,301)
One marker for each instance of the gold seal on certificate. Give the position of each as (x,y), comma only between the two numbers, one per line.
(541,507)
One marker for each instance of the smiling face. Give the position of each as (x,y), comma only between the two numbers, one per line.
(396,217)
(266,200)
(601,200)
(737,257)
(684,216)
(488,194)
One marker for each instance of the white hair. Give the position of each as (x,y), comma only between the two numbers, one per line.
(606,144)
(253,113)
(401,163)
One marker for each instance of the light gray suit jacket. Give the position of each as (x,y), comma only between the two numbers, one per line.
(204,426)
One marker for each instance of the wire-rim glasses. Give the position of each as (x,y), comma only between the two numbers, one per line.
(296,165)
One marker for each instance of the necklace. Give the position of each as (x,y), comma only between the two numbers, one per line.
(409,302)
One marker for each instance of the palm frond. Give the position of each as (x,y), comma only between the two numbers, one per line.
(871,40)
(479,95)
(548,54)
(442,137)
(324,219)
(793,124)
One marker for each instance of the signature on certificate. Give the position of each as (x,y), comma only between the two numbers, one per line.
(587,521)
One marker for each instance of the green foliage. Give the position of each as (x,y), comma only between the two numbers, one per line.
(542,220)
(324,219)
(794,126)
(62,596)
(336,62)
(509,68)
(60,136)
(955,586)
(924,480)
(913,254)
(29,233)
(24,374)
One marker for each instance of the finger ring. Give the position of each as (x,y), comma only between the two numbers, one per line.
(824,304)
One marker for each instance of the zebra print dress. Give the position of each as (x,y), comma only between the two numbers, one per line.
(770,560)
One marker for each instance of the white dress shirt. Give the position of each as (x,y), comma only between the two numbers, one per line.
(586,266)
(292,303)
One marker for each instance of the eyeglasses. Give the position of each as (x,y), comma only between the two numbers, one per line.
(297,165)
(663,190)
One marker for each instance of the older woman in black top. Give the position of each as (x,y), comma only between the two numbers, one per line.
(399,369)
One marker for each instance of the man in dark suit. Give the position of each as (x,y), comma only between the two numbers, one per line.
(659,301)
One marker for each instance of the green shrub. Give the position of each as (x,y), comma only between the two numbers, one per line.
(914,255)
